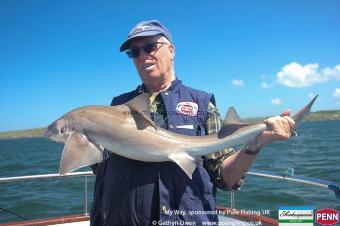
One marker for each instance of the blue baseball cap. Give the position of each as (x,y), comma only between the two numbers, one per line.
(144,29)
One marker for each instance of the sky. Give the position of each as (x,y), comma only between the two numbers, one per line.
(261,57)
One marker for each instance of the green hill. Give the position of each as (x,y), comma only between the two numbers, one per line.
(313,116)
(22,133)
(323,115)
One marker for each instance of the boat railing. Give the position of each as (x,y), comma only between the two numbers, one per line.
(53,176)
(288,176)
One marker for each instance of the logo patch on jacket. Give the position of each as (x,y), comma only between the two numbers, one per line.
(187,108)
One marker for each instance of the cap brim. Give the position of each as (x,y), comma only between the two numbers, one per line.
(126,44)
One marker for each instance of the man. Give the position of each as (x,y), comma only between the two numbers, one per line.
(129,192)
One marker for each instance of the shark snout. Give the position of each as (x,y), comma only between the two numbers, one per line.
(52,133)
(46,133)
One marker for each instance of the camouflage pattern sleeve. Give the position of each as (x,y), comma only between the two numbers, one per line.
(212,162)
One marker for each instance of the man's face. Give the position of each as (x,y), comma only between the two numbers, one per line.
(154,67)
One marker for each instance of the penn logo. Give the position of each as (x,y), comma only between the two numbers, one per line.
(327,216)
(187,108)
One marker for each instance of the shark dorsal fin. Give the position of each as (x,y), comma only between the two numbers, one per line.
(232,117)
(140,109)
(231,123)
(140,103)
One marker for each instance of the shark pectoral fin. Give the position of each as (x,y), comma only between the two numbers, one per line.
(185,161)
(78,152)
(140,110)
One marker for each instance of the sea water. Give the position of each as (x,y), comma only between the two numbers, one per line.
(313,153)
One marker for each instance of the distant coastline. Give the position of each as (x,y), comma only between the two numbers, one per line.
(22,133)
(313,116)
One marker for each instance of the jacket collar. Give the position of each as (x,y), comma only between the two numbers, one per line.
(175,84)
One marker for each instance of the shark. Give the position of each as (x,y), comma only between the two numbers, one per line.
(128,130)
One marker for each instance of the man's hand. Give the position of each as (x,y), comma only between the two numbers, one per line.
(281,128)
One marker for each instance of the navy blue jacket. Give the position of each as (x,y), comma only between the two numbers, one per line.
(130,192)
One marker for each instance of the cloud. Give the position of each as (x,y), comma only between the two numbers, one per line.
(336,95)
(276,101)
(297,75)
(311,95)
(332,72)
(265,85)
(236,82)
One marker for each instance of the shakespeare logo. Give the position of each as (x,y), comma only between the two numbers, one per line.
(297,215)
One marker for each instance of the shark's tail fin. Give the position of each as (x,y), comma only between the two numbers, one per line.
(297,117)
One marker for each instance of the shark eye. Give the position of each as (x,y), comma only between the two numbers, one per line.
(63,130)
(66,130)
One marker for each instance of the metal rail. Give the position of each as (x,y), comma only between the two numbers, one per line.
(44,176)
(51,176)
(299,179)
(288,176)
(259,173)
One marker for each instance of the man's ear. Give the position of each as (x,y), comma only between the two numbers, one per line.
(172,51)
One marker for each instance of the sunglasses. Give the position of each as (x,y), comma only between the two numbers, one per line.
(148,48)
